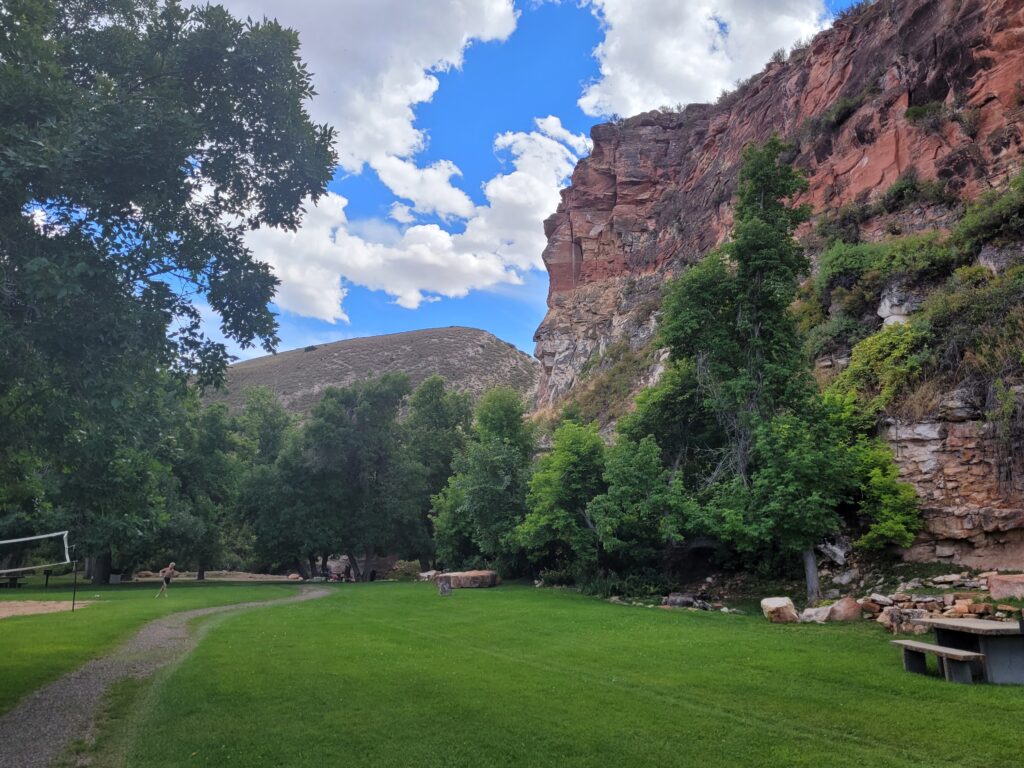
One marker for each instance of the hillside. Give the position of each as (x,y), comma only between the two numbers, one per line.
(901,115)
(470,360)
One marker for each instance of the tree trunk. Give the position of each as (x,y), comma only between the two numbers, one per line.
(811,575)
(201,573)
(325,571)
(356,575)
(302,569)
(312,565)
(101,568)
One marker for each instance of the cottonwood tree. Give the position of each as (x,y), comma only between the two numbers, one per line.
(141,141)
(476,514)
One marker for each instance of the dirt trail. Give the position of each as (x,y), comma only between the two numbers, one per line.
(45,722)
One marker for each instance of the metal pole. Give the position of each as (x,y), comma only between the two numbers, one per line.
(74,591)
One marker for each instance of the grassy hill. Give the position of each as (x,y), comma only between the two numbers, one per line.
(470,360)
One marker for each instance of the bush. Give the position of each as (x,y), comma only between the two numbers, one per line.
(884,366)
(927,116)
(837,332)
(909,189)
(996,217)
(405,570)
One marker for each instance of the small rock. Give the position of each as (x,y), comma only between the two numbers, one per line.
(832,594)
(880,599)
(949,578)
(846,578)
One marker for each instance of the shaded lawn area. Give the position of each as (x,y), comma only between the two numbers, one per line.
(37,649)
(394,675)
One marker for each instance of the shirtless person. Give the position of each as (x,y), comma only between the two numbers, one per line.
(166,574)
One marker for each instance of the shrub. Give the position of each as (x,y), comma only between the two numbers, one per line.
(927,116)
(883,366)
(405,570)
(909,189)
(835,333)
(891,506)
(996,217)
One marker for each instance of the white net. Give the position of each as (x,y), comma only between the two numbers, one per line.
(34,553)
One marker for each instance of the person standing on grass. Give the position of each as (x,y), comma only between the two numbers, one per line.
(166,574)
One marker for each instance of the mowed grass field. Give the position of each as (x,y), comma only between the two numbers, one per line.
(394,675)
(37,649)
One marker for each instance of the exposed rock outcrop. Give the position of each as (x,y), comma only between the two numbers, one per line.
(654,197)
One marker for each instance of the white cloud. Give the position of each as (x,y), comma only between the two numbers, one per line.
(501,240)
(658,52)
(374,60)
(429,188)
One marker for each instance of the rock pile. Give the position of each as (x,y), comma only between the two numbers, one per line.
(970,597)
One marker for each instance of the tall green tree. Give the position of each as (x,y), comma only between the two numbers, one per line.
(476,514)
(776,481)
(559,532)
(141,141)
(436,430)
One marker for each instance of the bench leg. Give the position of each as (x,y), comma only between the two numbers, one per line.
(915,661)
(958,671)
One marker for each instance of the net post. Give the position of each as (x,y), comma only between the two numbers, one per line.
(74,589)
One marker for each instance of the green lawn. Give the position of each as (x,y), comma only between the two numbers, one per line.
(37,649)
(393,675)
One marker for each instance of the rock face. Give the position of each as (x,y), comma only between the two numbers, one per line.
(654,197)
(779,610)
(470,360)
(971,487)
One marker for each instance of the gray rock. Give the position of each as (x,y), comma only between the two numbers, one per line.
(815,615)
(678,600)
(832,594)
(880,599)
(846,578)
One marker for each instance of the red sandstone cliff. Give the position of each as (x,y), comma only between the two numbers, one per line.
(654,196)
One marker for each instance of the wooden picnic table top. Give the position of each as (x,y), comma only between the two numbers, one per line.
(972,626)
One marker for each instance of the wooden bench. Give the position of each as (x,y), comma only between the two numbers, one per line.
(955,664)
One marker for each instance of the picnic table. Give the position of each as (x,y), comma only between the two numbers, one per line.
(990,650)
(12,582)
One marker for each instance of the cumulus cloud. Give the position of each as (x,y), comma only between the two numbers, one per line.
(373,62)
(658,52)
(501,239)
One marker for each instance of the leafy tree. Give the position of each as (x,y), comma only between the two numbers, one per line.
(673,413)
(476,515)
(263,424)
(559,533)
(729,313)
(142,141)
(436,430)
(362,482)
(639,511)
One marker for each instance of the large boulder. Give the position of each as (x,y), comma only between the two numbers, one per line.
(779,610)
(469,579)
(1006,587)
(846,609)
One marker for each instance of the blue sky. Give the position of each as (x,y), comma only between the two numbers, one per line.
(404,241)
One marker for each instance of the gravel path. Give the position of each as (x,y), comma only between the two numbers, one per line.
(45,722)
